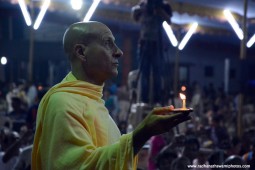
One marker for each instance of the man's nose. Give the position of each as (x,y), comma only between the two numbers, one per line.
(118,53)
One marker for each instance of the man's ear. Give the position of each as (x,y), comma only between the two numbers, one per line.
(80,51)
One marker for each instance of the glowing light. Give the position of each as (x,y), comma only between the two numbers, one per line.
(183,97)
(76,4)
(25,12)
(40,87)
(251,41)
(3,60)
(233,23)
(170,34)
(91,10)
(183,88)
(39,18)
(187,36)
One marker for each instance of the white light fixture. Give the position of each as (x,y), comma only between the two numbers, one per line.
(91,10)
(187,36)
(3,60)
(39,18)
(233,23)
(170,34)
(251,41)
(25,12)
(76,4)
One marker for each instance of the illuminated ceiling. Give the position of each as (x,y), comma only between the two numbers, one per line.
(208,13)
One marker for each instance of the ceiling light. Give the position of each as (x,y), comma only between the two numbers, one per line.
(233,23)
(187,36)
(76,4)
(170,33)
(91,10)
(251,41)
(25,13)
(39,18)
(3,60)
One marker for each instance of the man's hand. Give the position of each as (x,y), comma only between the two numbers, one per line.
(159,121)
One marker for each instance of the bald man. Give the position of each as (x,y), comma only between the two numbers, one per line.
(74,129)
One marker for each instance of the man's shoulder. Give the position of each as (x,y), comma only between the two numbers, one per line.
(61,98)
(63,103)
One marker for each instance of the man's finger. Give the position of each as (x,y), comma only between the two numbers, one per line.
(163,110)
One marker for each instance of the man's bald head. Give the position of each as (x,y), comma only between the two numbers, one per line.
(92,51)
(81,32)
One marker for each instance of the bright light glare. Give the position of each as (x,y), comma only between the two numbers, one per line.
(91,10)
(170,34)
(25,12)
(39,18)
(251,41)
(182,96)
(183,88)
(76,4)
(233,23)
(187,36)
(3,60)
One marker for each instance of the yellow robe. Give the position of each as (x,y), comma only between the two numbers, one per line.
(74,131)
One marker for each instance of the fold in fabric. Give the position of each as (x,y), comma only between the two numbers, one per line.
(74,131)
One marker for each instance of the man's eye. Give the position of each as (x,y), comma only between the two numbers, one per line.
(109,43)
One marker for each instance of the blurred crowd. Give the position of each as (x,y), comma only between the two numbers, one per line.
(18,108)
(210,138)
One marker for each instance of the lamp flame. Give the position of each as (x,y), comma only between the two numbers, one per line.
(182,96)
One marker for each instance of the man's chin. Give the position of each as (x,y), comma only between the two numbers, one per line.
(112,74)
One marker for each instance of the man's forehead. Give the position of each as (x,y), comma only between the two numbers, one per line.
(93,30)
(106,34)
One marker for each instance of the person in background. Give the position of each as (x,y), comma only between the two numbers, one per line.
(249,157)
(13,91)
(143,157)
(180,163)
(31,93)
(217,132)
(234,160)
(164,159)
(111,102)
(16,147)
(156,144)
(24,144)
(18,115)
(151,14)
(202,159)
(191,147)
(32,111)
(73,127)
(7,139)
(21,87)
